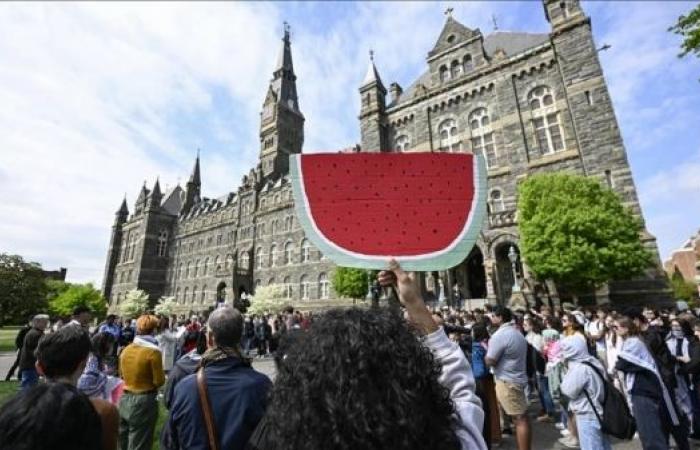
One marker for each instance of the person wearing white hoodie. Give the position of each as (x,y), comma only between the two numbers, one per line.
(583,385)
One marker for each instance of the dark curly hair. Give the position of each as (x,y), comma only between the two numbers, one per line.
(360,379)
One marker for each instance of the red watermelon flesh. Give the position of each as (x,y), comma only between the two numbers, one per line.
(398,204)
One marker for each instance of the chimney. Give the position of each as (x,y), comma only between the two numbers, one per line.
(395,91)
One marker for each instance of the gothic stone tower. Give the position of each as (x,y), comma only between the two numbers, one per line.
(282,123)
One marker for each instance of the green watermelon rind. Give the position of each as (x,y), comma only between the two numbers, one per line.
(443,259)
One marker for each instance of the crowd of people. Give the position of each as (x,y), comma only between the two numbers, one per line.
(373,378)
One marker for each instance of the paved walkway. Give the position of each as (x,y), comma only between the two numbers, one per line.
(544,435)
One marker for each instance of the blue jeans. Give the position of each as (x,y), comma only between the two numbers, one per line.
(545,396)
(647,412)
(30,378)
(590,436)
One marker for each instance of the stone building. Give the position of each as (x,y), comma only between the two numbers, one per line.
(685,261)
(527,102)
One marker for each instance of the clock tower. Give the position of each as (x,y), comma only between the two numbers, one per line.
(281,121)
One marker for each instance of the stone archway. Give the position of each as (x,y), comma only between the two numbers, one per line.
(221,293)
(476,275)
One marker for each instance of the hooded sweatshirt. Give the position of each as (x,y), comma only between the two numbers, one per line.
(582,378)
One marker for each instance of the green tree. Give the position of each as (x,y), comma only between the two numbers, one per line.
(79,295)
(22,289)
(350,282)
(166,306)
(270,298)
(54,288)
(135,303)
(577,232)
(682,289)
(688,26)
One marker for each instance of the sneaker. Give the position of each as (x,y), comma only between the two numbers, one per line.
(565,432)
(560,426)
(569,442)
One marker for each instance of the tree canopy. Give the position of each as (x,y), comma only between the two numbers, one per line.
(135,303)
(270,298)
(72,295)
(688,26)
(350,282)
(577,232)
(166,306)
(22,289)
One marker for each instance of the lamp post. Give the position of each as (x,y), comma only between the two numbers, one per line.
(513,257)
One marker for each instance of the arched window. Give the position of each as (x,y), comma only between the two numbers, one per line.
(444,74)
(271,281)
(304,287)
(261,229)
(162,247)
(205,267)
(288,288)
(186,294)
(482,136)
(217,265)
(288,223)
(496,201)
(273,254)
(288,253)
(402,143)
(245,259)
(194,294)
(305,251)
(177,295)
(203,296)
(467,63)
(455,69)
(196,269)
(229,262)
(258,283)
(449,138)
(545,120)
(187,270)
(259,258)
(119,298)
(323,286)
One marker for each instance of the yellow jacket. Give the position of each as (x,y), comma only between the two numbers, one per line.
(141,366)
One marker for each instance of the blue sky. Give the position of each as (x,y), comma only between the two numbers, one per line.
(96,98)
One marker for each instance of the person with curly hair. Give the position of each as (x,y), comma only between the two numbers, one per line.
(95,380)
(367,379)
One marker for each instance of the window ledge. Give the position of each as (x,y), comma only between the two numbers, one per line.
(561,155)
(498,171)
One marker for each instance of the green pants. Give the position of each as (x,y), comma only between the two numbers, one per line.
(137,420)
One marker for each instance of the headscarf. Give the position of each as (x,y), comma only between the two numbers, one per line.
(636,352)
(574,349)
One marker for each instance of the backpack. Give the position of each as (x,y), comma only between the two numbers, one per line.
(617,421)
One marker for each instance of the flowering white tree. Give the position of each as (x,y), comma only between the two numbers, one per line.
(268,299)
(166,306)
(135,304)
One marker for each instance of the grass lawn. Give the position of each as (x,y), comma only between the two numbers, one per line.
(7,338)
(10,388)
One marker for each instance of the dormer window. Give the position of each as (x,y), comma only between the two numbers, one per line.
(564,9)
(444,74)
(455,69)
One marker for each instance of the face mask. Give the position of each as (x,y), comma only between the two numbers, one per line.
(677,333)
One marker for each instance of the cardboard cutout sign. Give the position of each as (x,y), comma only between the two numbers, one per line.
(362,209)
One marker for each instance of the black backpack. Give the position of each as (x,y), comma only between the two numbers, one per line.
(617,421)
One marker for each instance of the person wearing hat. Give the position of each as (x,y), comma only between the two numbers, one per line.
(141,368)
(27,360)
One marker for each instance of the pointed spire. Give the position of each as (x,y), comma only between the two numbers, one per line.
(124,208)
(372,75)
(283,82)
(156,188)
(195,178)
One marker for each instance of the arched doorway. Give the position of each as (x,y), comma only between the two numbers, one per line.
(504,280)
(221,293)
(476,275)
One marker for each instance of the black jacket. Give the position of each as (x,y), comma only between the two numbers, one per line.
(31,341)
(665,361)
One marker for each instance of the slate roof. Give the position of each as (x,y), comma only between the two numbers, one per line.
(510,42)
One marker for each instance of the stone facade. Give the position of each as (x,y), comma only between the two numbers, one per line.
(528,102)
(686,261)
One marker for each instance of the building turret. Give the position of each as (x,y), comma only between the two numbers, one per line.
(373,126)
(281,120)
(115,242)
(563,13)
(193,189)
(156,196)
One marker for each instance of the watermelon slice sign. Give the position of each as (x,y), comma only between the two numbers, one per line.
(362,209)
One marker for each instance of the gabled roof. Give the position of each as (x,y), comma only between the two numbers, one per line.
(512,43)
(452,34)
(172,200)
